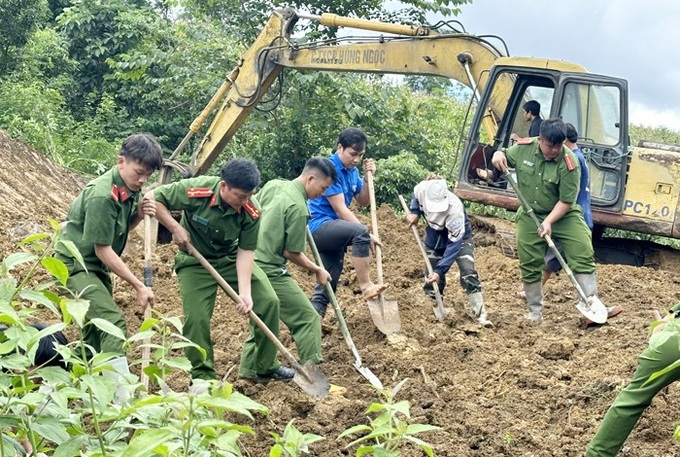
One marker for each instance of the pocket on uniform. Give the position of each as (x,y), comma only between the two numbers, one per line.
(526,168)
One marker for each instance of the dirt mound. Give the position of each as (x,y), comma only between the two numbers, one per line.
(32,190)
(517,389)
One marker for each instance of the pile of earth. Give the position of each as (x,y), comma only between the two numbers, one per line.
(516,389)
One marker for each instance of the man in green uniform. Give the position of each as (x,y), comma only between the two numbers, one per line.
(663,351)
(98,223)
(221,221)
(282,237)
(548,176)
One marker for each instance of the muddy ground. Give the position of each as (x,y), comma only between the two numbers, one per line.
(517,389)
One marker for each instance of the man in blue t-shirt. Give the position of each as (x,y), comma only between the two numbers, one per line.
(335,227)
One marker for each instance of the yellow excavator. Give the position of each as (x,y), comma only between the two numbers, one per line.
(632,188)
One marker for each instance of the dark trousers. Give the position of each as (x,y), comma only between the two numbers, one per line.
(332,239)
(469,278)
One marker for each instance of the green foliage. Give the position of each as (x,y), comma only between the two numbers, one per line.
(45,58)
(488,210)
(397,176)
(293,443)
(657,134)
(618,233)
(316,106)
(36,113)
(165,82)
(119,67)
(18,20)
(81,412)
(243,19)
(99,30)
(428,84)
(169,331)
(389,431)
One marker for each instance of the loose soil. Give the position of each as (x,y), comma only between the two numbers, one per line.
(516,389)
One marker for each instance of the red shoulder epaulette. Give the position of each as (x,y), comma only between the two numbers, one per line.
(570,163)
(122,191)
(199,192)
(115,194)
(526,140)
(250,209)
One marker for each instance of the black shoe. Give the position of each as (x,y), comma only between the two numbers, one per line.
(319,308)
(282,373)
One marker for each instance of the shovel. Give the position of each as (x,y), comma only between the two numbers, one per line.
(365,372)
(439,311)
(591,307)
(149,227)
(385,313)
(309,378)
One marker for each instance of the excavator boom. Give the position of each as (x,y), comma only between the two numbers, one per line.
(416,50)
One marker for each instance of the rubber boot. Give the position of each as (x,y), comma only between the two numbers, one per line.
(587,282)
(534,293)
(120,370)
(478,309)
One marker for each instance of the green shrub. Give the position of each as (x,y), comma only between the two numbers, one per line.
(73,413)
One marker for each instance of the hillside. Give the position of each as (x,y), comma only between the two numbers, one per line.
(517,389)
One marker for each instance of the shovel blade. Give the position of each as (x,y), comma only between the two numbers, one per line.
(312,380)
(440,312)
(385,315)
(594,309)
(368,374)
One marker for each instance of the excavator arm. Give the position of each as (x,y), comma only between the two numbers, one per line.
(408,50)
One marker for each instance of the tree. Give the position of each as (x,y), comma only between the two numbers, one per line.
(98,30)
(429,84)
(244,19)
(18,20)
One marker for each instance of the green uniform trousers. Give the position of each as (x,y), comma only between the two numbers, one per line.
(572,233)
(199,290)
(630,403)
(98,289)
(300,317)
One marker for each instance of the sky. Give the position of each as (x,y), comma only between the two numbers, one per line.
(635,40)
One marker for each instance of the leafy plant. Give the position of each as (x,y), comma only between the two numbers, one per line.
(390,430)
(508,440)
(73,412)
(169,331)
(293,443)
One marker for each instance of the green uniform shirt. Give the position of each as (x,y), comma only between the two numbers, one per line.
(545,182)
(216,229)
(101,214)
(282,228)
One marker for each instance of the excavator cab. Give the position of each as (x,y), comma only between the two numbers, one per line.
(595,105)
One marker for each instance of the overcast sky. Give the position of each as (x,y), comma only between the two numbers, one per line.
(631,39)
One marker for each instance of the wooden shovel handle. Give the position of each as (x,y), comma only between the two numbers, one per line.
(148,282)
(374,226)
